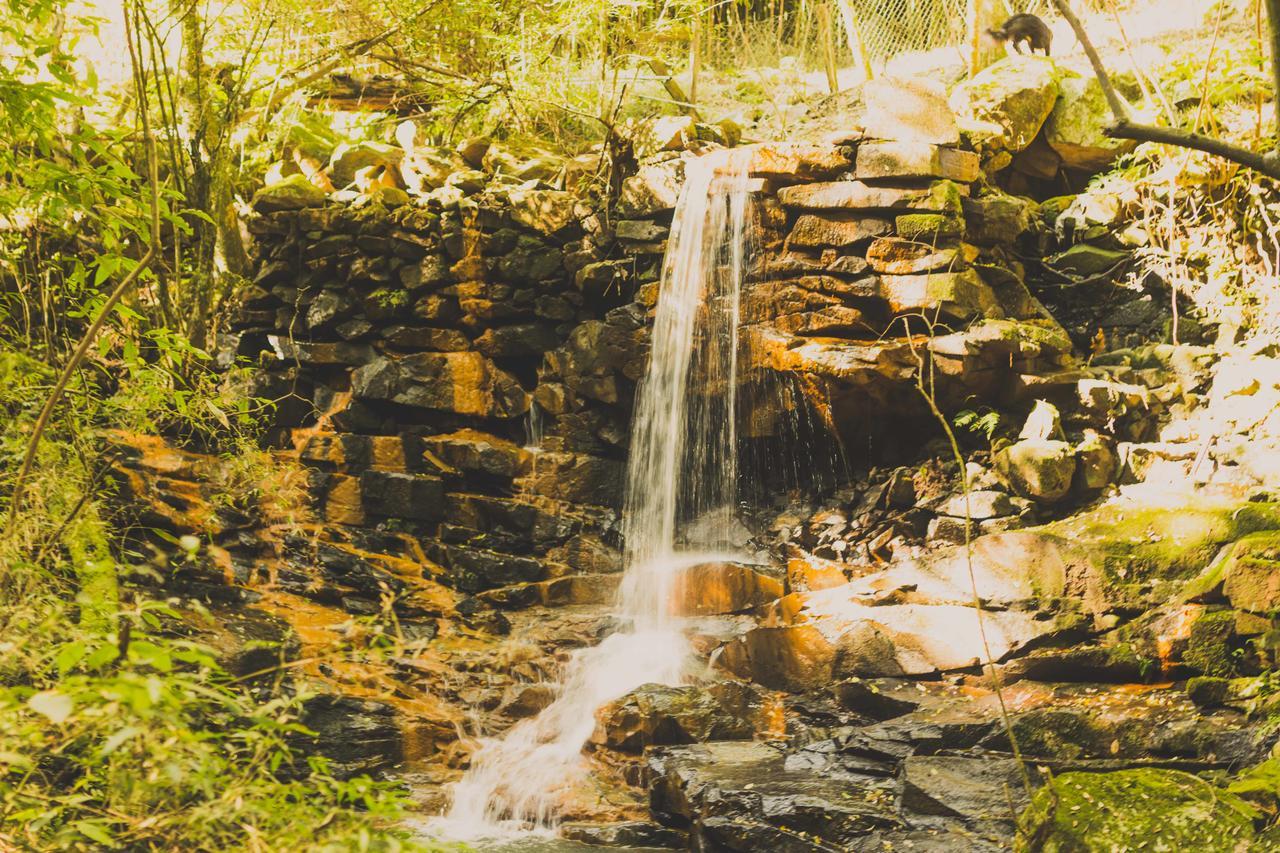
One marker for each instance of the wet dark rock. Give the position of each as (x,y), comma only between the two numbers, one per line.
(654,715)
(741,797)
(475,569)
(977,789)
(881,699)
(628,834)
(356,735)
(396,494)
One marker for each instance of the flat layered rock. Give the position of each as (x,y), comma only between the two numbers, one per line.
(811,231)
(463,382)
(904,159)
(749,796)
(479,452)
(907,257)
(960,295)
(856,195)
(798,162)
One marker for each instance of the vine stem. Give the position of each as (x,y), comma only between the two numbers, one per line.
(925,385)
(91,334)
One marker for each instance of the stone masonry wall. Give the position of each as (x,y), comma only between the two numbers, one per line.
(414,350)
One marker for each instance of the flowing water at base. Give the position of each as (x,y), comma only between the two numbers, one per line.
(682,469)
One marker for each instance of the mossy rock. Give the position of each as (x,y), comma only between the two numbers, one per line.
(1250,573)
(292,193)
(1037,468)
(1143,809)
(1165,542)
(930,228)
(1004,106)
(1130,556)
(1209,648)
(1076,128)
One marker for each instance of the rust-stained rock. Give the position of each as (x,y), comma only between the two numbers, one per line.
(812,231)
(575,477)
(793,657)
(833,320)
(463,382)
(342,502)
(717,588)
(478,452)
(579,589)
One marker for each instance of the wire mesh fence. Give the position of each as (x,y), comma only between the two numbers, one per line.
(890,27)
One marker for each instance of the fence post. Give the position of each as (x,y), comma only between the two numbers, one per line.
(828,46)
(975,36)
(856,45)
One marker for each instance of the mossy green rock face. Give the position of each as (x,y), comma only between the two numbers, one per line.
(1251,573)
(293,193)
(1004,107)
(1146,809)
(1076,127)
(928,228)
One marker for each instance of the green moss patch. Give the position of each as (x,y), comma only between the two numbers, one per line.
(1145,809)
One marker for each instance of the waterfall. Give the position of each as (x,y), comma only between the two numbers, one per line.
(680,499)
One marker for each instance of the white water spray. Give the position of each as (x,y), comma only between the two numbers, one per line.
(681,492)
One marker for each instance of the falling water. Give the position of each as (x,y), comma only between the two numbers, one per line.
(681,492)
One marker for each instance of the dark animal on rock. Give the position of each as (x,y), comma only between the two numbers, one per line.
(1024,29)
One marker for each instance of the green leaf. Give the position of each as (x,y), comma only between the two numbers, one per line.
(54,705)
(14,759)
(101,656)
(95,831)
(112,743)
(148,653)
(70,655)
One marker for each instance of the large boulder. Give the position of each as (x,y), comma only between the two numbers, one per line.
(292,193)
(1037,468)
(908,110)
(1003,107)
(655,188)
(548,212)
(658,715)
(350,158)
(1250,573)
(718,588)
(1076,127)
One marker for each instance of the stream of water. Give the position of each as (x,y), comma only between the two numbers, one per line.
(679,511)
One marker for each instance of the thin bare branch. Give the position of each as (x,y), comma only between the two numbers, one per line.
(1124,128)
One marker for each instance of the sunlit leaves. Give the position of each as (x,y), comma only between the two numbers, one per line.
(52,704)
